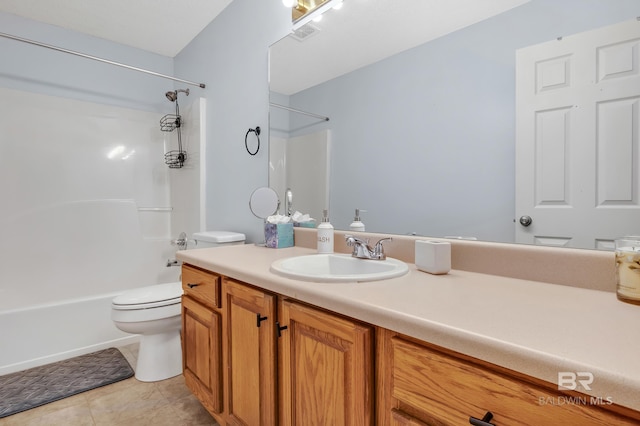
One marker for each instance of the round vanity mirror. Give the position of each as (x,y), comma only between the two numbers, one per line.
(264,202)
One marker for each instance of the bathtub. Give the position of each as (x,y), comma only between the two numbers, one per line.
(47,333)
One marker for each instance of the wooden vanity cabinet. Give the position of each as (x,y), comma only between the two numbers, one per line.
(427,385)
(257,358)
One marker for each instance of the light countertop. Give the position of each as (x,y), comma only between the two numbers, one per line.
(531,327)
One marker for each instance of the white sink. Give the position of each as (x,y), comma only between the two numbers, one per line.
(338,268)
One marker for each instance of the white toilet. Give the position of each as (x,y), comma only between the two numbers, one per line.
(154,312)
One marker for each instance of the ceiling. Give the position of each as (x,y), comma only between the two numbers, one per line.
(361,33)
(159,26)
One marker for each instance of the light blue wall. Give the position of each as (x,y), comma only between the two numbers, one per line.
(425,140)
(231,55)
(37,69)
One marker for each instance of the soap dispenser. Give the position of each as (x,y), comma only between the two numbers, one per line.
(325,234)
(357,225)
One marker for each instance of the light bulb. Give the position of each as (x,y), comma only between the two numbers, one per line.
(289,3)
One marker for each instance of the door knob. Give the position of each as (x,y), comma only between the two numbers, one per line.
(525,220)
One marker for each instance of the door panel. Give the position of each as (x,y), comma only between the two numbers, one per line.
(578,147)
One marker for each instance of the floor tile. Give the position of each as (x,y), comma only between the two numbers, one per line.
(128,402)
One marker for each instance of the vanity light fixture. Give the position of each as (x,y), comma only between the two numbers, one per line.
(309,14)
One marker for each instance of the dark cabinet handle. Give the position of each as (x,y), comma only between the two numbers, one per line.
(482,422)
(259,319)
(280,328)
(192,285)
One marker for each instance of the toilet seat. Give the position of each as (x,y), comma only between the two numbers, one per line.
(133,307)
(154,296)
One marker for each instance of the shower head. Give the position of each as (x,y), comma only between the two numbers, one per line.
(173,95)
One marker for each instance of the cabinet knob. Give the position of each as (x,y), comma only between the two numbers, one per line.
(192,285)
(482,422)
(280,328)
(259,319)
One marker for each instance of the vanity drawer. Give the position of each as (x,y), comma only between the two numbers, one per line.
(439,388)
(201,285)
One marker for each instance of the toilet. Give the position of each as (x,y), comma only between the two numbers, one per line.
(155,311)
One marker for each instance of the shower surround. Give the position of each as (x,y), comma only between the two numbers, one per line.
(87,213)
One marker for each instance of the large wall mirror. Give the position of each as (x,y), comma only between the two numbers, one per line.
(423,136)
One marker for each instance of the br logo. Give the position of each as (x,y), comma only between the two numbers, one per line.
(568,380)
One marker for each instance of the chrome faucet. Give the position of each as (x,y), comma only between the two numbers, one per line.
(181,242)
(362,250)
(288,201)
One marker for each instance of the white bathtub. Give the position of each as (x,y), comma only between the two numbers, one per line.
(47,333)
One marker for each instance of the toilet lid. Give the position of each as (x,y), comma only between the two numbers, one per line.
(218,236)
(149,297)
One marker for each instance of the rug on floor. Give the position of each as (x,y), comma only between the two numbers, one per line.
(37,386)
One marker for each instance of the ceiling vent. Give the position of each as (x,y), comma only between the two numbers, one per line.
(304,32)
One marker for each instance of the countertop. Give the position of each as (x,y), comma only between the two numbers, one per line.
(535,328)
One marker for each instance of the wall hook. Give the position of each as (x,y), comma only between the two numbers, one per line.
(255,131)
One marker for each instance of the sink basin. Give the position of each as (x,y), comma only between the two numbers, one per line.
(338,268)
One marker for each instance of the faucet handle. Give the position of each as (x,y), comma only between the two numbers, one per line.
(351,240)
(378,250)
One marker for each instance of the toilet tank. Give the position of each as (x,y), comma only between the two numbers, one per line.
(217,239)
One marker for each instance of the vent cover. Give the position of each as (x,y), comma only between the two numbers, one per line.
(305,31)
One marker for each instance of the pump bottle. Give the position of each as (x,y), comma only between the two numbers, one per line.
(325,234)
(357,225)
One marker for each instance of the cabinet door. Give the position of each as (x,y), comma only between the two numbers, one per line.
(201,353)
(251,355)
(326,368)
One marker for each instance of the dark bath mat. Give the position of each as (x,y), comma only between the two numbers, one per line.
(37,386)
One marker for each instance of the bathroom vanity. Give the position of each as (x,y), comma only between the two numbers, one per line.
(262,349)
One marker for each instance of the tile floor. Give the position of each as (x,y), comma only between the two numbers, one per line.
(125,403)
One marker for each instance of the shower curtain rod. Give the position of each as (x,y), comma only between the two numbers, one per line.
(95,58)
(299,111)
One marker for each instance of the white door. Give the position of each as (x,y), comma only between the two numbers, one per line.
(577,138)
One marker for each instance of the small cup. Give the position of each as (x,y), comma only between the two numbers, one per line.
(433,257)
(628,269)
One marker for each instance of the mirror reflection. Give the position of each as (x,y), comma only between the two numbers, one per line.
(425,140)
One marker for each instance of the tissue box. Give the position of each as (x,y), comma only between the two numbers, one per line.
(433,257)
(308,224)
(278,235)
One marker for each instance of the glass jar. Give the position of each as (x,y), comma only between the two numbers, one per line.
(628,269)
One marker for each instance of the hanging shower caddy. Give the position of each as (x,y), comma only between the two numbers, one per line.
(175,158)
